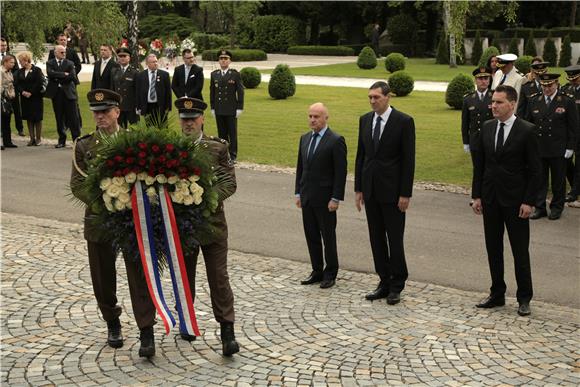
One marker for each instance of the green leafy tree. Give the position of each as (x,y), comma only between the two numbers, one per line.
(477,49)
(565,53)
(530,47)
(550,53)
(514,47)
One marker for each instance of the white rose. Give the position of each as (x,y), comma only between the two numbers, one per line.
(118,180)
(197,198)
(161,179)
(173,179)
(151,192)
(193,178)
(177,197)
(142,176)
(124,198)
(109,206)
(119,206)
(125,188)
(107,198)
(129,205)
(184,190)
(113,190)
(188,200)
(149,180)
(105,183)
(131,177)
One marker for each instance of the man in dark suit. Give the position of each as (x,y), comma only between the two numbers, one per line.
(71,53)
(226,94)
(320,179)
(556,118)
(154,93)
(103,69)
(384,172)
(62,89)
(505,183)
(124,82)
(187,78)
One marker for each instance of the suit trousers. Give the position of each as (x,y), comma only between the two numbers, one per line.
(17,113)
(494,219)
(386,230)
(6,134)
(155,116)
(228,130)
(66,115)
(474,155)
(571,171)
(555,167)
(126,118)
(319,227)
(102,258)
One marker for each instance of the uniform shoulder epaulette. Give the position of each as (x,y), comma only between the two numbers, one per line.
(564,93)
(469,93)
(234,70)
(217,139)
(216,70)
(84,137)
(534,94)
(518,72)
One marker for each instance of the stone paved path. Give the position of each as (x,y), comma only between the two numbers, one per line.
(290,334)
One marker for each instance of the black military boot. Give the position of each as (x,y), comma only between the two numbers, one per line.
(229,343)
(114,335)
(147,338)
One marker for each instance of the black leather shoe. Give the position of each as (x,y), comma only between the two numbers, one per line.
(187,336)
(537,214)
(327,283)
(147,339)
(524,309)
(555,215)
(229,343)
(10,146)
(570,198)
(312,279)
(114,335)
(491,302)
(59,146)
(378,293)
(393,298)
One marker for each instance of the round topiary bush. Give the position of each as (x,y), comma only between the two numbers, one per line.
(394,62)
(401,83)
(251,77)
(523,63)
(282,82)
(367,59)
(456,90)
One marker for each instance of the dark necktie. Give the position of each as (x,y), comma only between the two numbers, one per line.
(548,101)
(59,63)
(499,143)
(312,146)
(152,91)
(502,79)
(377,133)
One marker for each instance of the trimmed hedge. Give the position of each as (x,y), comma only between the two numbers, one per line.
(456,90)
(513,47)
(239,55)
(401,83)
(321,50)
(394,62)
(251,77)
(565,53)
(523,63)
(282,83)
(442,50)
(530,46)
(275,33)
(477,49)
(550,53)
(367,59)
(208,41)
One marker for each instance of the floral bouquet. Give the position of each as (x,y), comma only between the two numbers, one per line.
(142,51)
(156,47)
(124,43)
(171,49)
(188,43)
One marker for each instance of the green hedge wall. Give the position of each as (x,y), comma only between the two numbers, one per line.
(275,33)
(321,50)
(239,55)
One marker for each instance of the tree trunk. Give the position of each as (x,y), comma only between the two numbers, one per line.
(446,21)
(133,29)
(573,14)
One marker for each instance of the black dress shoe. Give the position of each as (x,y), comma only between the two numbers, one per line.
(524,309)
(555,214)
(393,298)
(114,334)
(147,339)
(229,343)
(537,214)
(378,293)
(59,146)
(570,198)
(312,279)
(327,283)
(491,302)
(10,145)
(187,336)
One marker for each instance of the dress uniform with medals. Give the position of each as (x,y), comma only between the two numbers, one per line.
(227,102)
(476,110)
(215,253)
(531,88)
(124,82)
(572,89)
(102,255)
(556,120)
(512,77)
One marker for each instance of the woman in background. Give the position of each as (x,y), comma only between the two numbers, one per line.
(29,83)
(7,93)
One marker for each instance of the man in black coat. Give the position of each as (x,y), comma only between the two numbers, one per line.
(71,53)
(62,89)
(505,183)
(385,168)
(572,89)
(103,69)
(154,93)
(124,82)
(187,78)
(320,179)
(531,87)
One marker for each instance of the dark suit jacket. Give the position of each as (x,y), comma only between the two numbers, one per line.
(103,81)
(474,114)
(512,176)
(71,54)
(387,174)
(226,93)
(194,84)
(125,83)
(56,76)
(323,176)
(162,87)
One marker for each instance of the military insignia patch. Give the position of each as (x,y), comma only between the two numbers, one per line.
(99,97)
(560,110)
(188,104)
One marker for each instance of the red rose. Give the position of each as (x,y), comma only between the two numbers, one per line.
(182,169)
(126,171)
(136,170)
(130,151)
(161,159)
(110,163)
(169,147)
(155,148)
(142,162)
(118,173)
(142,146)
(196,171)
(142,155)
(130,160)
(161,171)
(183,175)
(183,154)
(151,172)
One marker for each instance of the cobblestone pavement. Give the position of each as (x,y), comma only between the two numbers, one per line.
(289,334)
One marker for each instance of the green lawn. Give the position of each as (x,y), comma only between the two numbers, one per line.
(269,130)
(422,69)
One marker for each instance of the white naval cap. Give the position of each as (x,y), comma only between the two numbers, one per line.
(507,57)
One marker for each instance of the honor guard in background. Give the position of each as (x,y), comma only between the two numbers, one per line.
(215,253)
(476,110)
(226,94)
(531,87)
(104,104)
(508,74)
(572,89)
(124,82)
(556,118)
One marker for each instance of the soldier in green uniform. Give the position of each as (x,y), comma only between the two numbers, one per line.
(105,106)
(215,253)
(572,89)
(476,110)
(556,118)
(226,94)
(532,86)
(124,82)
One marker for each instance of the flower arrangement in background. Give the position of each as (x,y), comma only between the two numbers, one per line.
(171,49)
(124,43)
(156,47)
(187,43)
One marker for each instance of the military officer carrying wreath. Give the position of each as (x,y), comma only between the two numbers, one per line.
(572,89)
(215,253)
(124,82)
(226,95)
(105,106)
